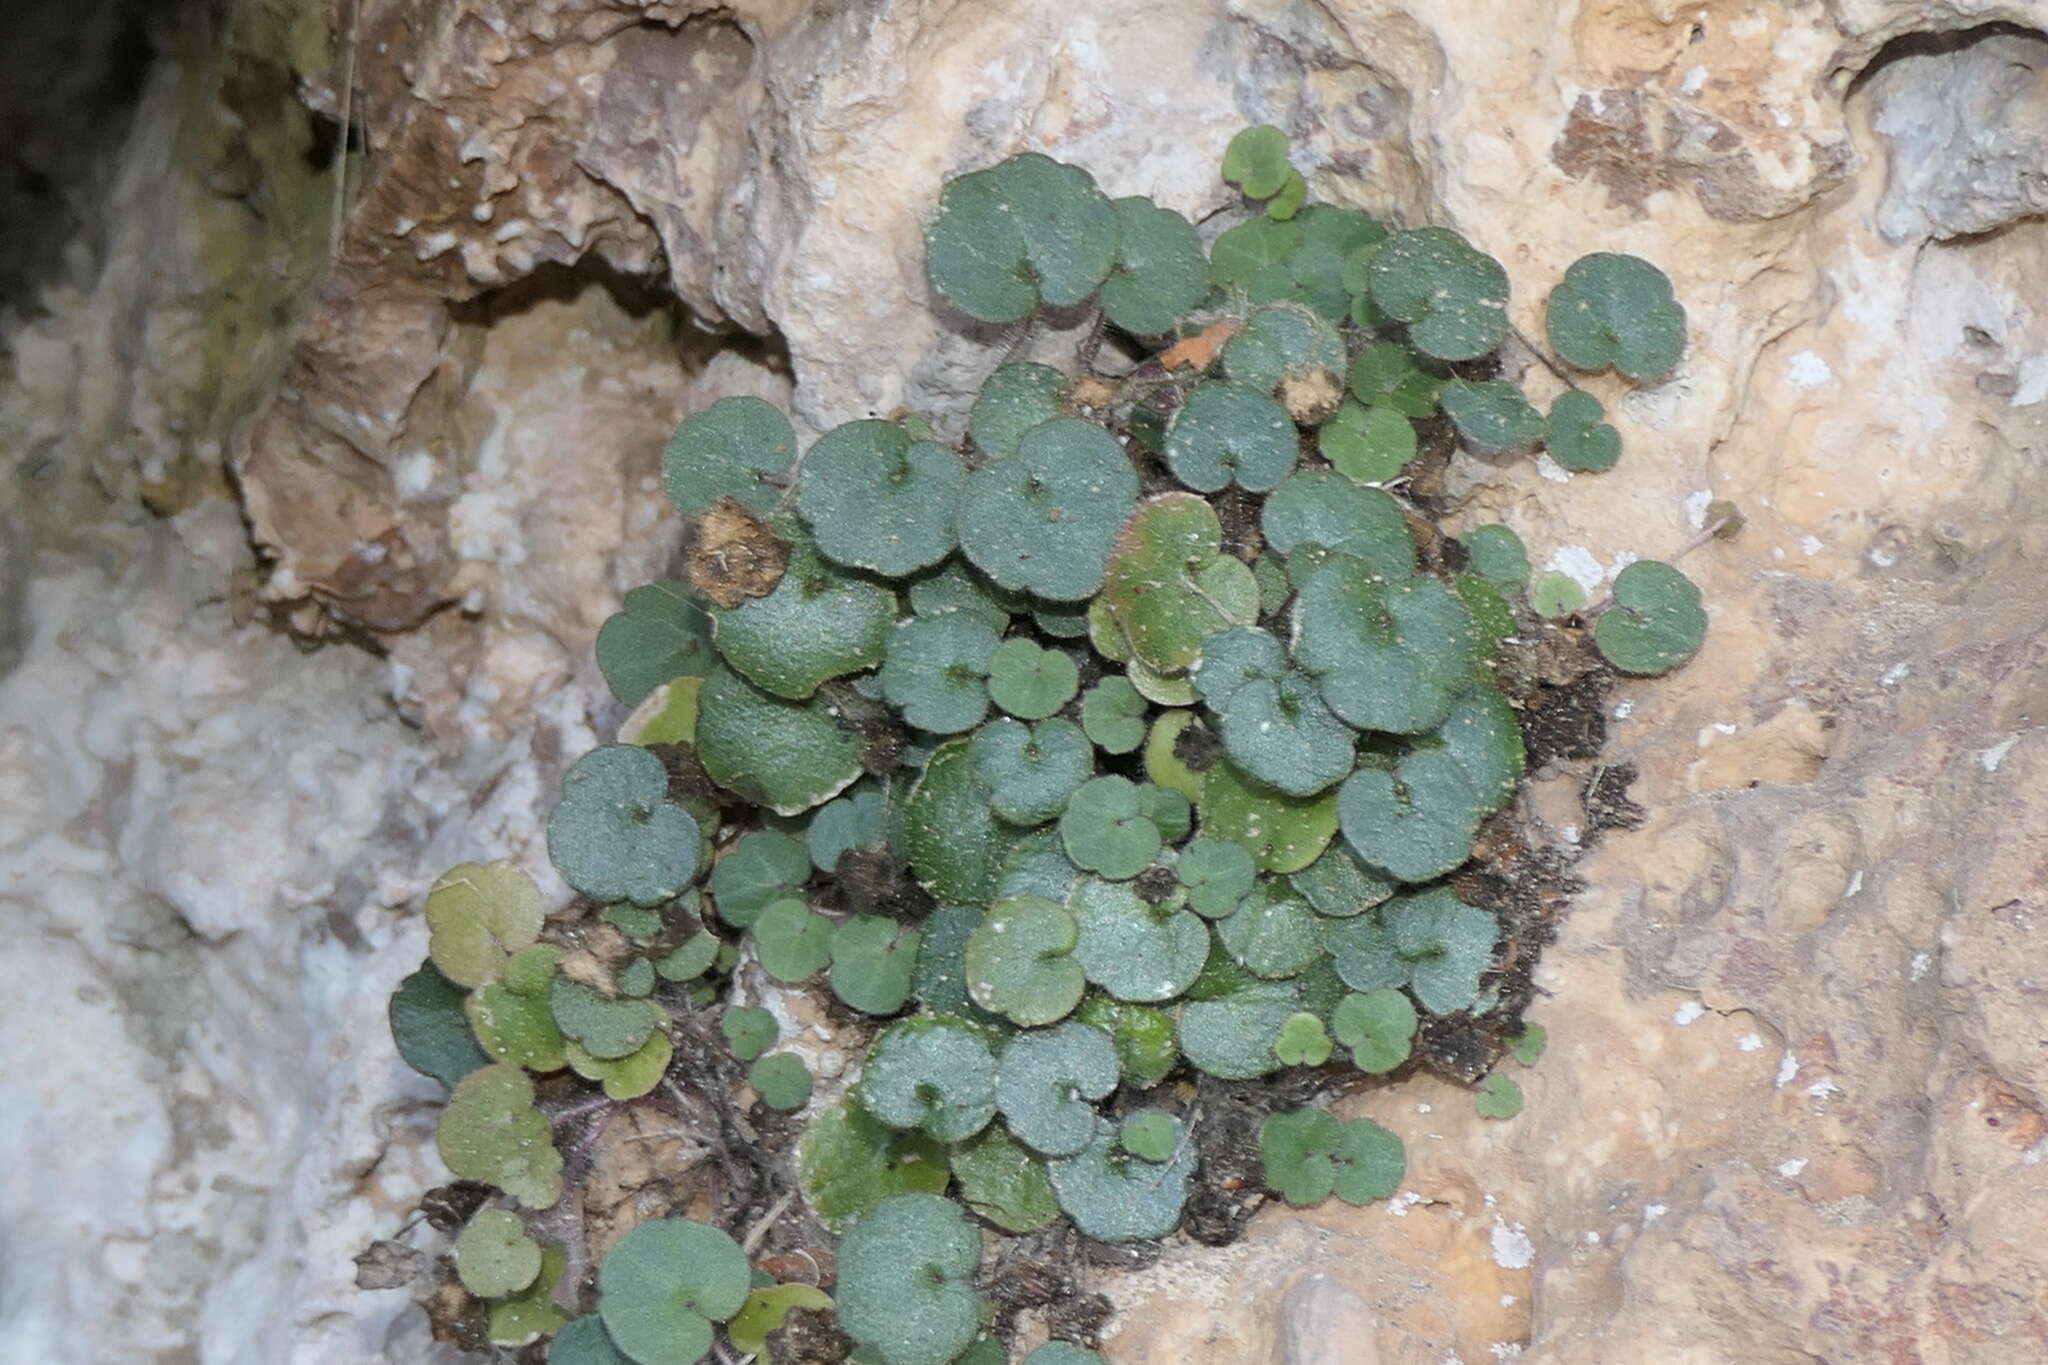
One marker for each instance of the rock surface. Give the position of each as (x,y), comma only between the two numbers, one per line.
(1796,1099)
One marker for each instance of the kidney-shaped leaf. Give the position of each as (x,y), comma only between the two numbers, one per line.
(615,835)
(494,1256)
(1020,961)
(1453,297)
(933,1073)
(1575,435)
(732,449)
(657,635)
(1045,1080)
(490,1132)
(1115,1197)
(664,1284)
(1416,822)
(1228,433)
(1026,230)
(1491,414)
(1389,655)
(1378,1026)
(1043,520)
(1160,272)
(1014,399)
(428,1026)
(817,625)
(849,1161)
(906,1274)
(1107,829)
(1656,622)
(1447,944)
(1131,948)
(874,960)
(878,500)
(787,756)
(951,837)
(1031,770)
(1617,310)
(478,915)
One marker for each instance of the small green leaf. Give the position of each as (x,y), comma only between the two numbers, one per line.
(952,839)
(1416,822)
(1274,933)
(1105,828)
(490,1132)
(1114,1197)
(1287,203)
(1218,875)
(933,1073)
(848,1162)
(1283,342)
(1003,1182)
(787,756)
(511,1016)
(1369,445)
(664,1284)
(1447,943)
(936,671)
(1388,375)
(762,868)
(1160,274)
(1029,681)
(1014,399)
(656,636)
(1491,414)
(1031,770)
(607,1029)
(1389,655)
(1283,833)
(1577,438)
(1240,254)
(1616,310)
(1227,433)
(1231,1020)
(1302,1042)
(628,1077)
(1256,161)
(1526,1046)
(428,1026)
(765,1311)
(874,961)
(531,1314)
(1161,585)
(1378,1026)
(732,449)
(1498,556)
(1131,948)
(906,1274)
(478,915)
(1364,954)
(1150,1135)
(1144,1037)
(1499,1097)
(857,820)
(1326,510)
(1656,622)
(615,836)
(1043,520)
(494,1256)
(817,625)
(1045,1080)
(793,941)
(1295,1147)
(1370,1162)
(749,1031)
(1113,715)
(1026,231)
(1020,961)
(877,500)
(1482,736)
(1453,297)
(1271,719)
(1557,595)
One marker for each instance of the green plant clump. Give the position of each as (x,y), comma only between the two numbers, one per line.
(1138,742)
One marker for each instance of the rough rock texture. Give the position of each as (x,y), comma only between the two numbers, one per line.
(1795,1105)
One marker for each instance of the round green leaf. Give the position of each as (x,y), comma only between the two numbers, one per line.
(1159,584)
(817,625)
(1242,254)
(1388,375)
(1150,1135)
(1370,445)
(1498,556)
(664,1284)
(1113,715)
(1389,655)
(1045,1080)
(848,1162)
(1499,1097)
(1026,230)
(1576,437)
(874,960)
(1364,954)
(428,1026)
(478,915)
(732,449)
(1131,948)
(1370,1162)
(749,1031)
(1160,274)
(906,1274)
(934,1073)
(1043,520)
(1295,1147)
(607,1029)
(1231,1020)
(628,1077)
(787,756)
(1283,833)
(1302,1042)
(1378,1026)
(615,836)
(1656,622)
(1282,342)
(1616,310)
(1527,1046)
(1020,962)
(877,500)
(490,1132)
(1115,1197)
(762,868)
(1491,414)
(1287,203)
(1003,1182)
(1556,595)
(511,1016)
(1227,433)
(1280,733)
(1453,297)
(1256,161)
(952,839)
(494,1256)
(857,820)
(793,941)
(1014,399)
(1030,681)
(656,636)
(1339,885)
(1031,770)
(1482,736)
(1274,932)
(1218,875)
(936,670)
(1416,822)
(1447,944)
(1106,829)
